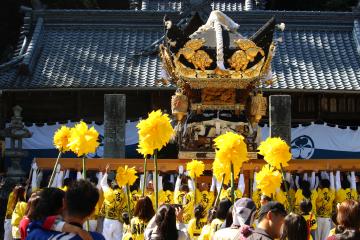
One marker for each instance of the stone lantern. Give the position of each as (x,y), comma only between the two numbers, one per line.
(16,131)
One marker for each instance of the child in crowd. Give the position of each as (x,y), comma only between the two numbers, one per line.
(205,232)
(196,224)
(45,212)
(311,221)
(19,211)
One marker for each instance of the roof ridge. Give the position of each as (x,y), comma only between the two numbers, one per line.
(356,34)
(33,48)
(144,17)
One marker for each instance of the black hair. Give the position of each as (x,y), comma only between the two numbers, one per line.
(78,192)
(165,220)
(266,198)
(294,228)
(144,209)
(168,186)
(126,218)
(135,186)
(229,218)
(305,206)
(184,188)
(324,183)
(223,208)
(198,213)
(19,193)
(50,203)
(67,182)
(32,203)
(305,187)
(93,179)
(345,182)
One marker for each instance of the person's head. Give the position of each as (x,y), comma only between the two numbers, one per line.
(150,186)
(264,199)
(348,215)
(305,206)
(211,215)
(199,212)
(345,182)
(243,212)
(168,186)
(32,203)
(126,218)
(144,209)
(271,218)
(324,183)
(19,193)
(114,185)
(165,220)
(223,208)
(305,187)
(135,185)
(81,199)
(294,228)
(184,188)
(50,203)
(67,182)
(229,217)
(203,187)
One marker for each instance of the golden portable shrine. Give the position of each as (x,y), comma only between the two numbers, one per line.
(217,72)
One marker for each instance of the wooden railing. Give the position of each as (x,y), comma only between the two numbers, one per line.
(171,165)
(168,165)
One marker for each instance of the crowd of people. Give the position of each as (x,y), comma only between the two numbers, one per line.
(318,206)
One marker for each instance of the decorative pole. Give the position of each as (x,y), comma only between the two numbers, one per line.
(145,173)
(84,167)
(156,180)
(232,183)
(219,193)
(54,170)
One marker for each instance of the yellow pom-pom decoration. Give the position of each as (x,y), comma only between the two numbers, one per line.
(83,140)
(61,139)
(268,180)
(154,132)
(125,176)
(231,148)
(195,168)
(276,152)
(143,149)
(219,169)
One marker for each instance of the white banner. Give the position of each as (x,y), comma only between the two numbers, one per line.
(322,141)
(42,137)
(313,141)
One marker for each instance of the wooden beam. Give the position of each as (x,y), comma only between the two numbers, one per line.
(167,165)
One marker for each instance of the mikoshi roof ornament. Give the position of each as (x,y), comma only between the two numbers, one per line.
(217,55)
(217,71)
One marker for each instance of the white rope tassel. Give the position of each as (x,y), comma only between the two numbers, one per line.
(219,46)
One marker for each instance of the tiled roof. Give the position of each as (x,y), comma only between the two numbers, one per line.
(318,60)
(314,55)
(176,5)
(8,77)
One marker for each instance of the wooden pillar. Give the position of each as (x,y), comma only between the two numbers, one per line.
(114,125)
(280,117)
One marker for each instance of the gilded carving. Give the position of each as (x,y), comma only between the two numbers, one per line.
(191,52)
